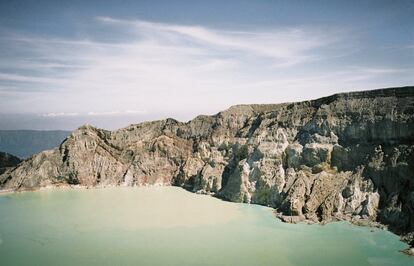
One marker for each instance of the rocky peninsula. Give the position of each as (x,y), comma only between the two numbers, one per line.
(349,156)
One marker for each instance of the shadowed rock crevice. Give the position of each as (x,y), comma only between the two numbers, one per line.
(349,156)
(8,161)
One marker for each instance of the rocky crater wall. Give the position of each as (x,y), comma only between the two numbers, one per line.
(349,156)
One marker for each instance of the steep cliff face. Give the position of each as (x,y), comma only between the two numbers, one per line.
(347,156)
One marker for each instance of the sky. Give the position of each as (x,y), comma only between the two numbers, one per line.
(114,63)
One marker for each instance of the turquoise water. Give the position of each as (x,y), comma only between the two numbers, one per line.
(170,226)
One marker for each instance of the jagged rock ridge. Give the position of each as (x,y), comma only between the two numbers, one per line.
(347,156)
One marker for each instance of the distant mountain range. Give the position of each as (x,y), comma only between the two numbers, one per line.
(24,143)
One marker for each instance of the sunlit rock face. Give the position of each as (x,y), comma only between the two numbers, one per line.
(347,156)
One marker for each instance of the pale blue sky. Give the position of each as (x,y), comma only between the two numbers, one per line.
(112,63)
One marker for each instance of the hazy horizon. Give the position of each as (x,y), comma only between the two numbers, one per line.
(118,63)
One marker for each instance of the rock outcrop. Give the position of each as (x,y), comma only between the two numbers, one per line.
(8,161)
(349,156)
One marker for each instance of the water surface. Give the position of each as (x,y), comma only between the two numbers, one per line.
(170,226)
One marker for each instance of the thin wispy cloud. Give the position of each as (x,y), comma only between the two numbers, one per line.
(111,113)
(287,46)
(114,113)
(59,114)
